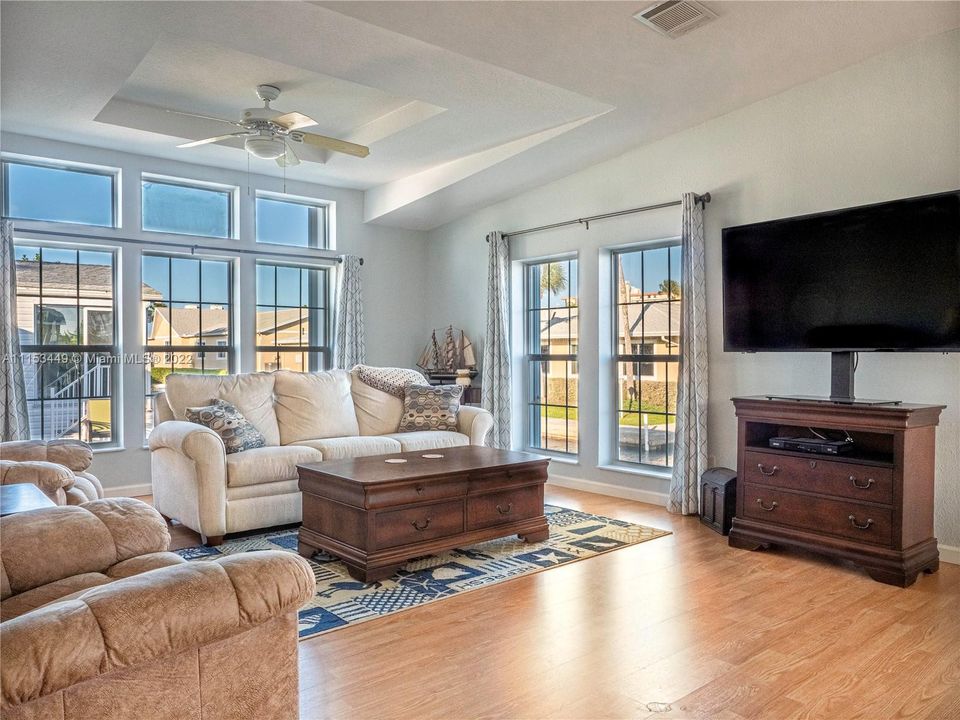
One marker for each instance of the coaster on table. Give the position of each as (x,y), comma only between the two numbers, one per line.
(395,460)
(432,456)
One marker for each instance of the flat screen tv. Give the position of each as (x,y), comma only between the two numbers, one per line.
(876,277)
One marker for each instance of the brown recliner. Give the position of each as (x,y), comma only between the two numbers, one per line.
(51,463)
(99,621)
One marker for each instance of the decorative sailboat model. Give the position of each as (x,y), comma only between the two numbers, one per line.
(448,351)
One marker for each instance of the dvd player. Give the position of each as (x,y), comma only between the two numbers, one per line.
(812,445)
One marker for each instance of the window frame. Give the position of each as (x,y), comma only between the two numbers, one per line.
(111,351)
(114,174)
(639,359)
(229,190)
(318,228)
(325,352)
(531,340)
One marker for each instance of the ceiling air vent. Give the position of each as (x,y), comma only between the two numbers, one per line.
(675,18)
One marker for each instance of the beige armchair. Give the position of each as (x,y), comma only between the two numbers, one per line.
(99,621)
(69,484)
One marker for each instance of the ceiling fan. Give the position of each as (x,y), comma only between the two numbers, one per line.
(270,134)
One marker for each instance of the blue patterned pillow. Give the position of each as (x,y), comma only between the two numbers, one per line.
(430,407)
(237,433)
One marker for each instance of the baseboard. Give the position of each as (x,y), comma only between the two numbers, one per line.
(949,554)
(602,488)
(128,490)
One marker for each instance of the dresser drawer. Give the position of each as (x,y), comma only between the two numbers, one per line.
(490,480)
(414,492)
(505,506)
(863,523)
(815,474)
(415,524)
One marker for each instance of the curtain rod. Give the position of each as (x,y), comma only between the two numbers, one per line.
(182,246)
(704,199)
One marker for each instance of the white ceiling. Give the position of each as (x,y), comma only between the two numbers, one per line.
(462,103)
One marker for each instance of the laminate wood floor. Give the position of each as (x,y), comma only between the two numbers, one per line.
(678,627)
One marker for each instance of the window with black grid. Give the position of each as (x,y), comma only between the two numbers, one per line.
(551,313)
(647,301)
(293,320)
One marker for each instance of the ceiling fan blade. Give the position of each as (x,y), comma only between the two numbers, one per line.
(328,143)
(289,158)
(209,140)
(205,117)
(294,120)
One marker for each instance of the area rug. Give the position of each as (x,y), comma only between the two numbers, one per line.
(341,601)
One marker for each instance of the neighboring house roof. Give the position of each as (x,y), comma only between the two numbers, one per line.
(94,279)
(191,323)
(285,318)
(650,319)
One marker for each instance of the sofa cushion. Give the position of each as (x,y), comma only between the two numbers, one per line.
(342,448)
(429,440)
(68,587)
(378,412)
(431,407)
(250,393)
(238,433)
(268,464)
(314,405)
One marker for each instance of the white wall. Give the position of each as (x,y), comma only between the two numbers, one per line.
(883,129)
(392,265)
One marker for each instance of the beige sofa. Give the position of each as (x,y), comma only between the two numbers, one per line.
(60,468)
(304,417)
(99,621)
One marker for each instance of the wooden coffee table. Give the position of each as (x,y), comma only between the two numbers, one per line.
(376,515)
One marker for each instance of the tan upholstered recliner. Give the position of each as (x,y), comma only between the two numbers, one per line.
(70,484)
(99,621)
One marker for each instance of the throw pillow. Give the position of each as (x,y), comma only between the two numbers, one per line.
(430,407)
(225,420)
(389,379)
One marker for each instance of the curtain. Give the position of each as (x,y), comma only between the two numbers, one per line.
(690,452)
(495,377)
(349,344)
(14,421)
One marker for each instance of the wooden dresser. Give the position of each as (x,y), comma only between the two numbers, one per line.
(872,506)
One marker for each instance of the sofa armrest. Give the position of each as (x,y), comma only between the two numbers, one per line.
(49,477)
(72,454)
(475,422)
(146,617)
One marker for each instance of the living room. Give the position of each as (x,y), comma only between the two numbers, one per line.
(410,230)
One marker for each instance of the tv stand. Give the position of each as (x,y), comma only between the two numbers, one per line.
(866,402)
(872,506)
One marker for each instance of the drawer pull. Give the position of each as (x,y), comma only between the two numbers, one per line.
(769,473)
(419,489)
(505,510)
(416,524)
(853,479)
(773,505)
(853,521)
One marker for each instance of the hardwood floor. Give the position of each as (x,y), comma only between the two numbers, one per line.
(679,627)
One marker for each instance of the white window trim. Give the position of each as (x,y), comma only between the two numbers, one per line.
(324,241)
(233,212)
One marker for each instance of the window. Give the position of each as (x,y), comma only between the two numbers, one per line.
(65,316)
(178,207)
(551,325)
(647,297)
(285,220)
(186,305)
(293,322)
(59,193)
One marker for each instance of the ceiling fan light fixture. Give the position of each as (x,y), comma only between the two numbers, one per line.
(266,147)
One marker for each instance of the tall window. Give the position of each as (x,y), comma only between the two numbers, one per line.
(66,319)
(647,297)
(187,309)
(293,323)
(551,329)
(59,193)
(288,220)
(179,207)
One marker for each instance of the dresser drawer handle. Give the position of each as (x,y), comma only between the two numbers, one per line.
(772,472)
(853,521)
(853,479)
(416,524)
(773,505)
(505,510)
(419,489)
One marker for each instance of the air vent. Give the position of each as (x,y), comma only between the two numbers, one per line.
(675,18)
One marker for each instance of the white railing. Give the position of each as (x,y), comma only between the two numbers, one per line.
(61,408)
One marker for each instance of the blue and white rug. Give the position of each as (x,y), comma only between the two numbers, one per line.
(342,601)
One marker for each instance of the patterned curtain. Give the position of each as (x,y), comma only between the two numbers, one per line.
(349,344)
(495,378)
(14,421)
(690,453)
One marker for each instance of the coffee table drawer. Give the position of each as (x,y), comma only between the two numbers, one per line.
(505,506)
(414,492)
(415,524)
